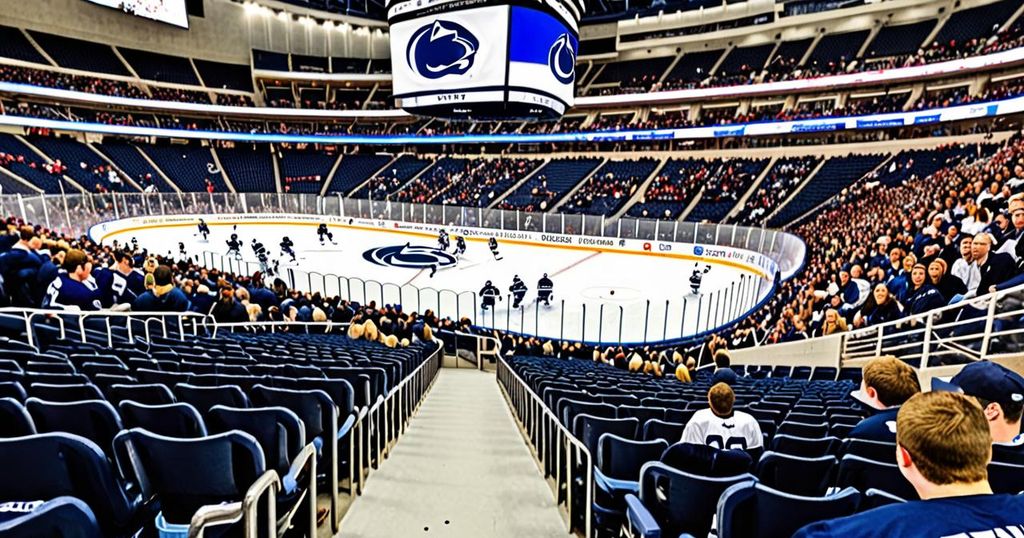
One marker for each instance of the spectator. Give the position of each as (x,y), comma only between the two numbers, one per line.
(922,295)
(20,266)
(948,285)
(1000,392)
(943,450)
(994,267)
(833,324)
(880,308)
(723,372)
(228,308)
(721,426)
(887,383)
(74,289)
(164,296)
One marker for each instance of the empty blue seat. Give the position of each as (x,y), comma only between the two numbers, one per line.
(705,460)
(864,474)
(672,502)
(186,474)
(204,398)
(170,420)
(872,450)
(660,429)
(50,465)
(1006,477)
(617,474)
(63,517)
(808,476)
(15,420)
(95,420)
(754,510)
(13,389)
(800,429)
(805,447)
(65,393)
(148,394)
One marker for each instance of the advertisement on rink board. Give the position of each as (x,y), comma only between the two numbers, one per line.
(748,260)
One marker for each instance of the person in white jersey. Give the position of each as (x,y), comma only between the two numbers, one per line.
(720,426)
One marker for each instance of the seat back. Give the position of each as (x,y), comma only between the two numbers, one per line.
(148,394)
(95,420)
(754,510)
(805,447)
(278,431)
(796,475)
(63,517)
(65,393)
(13,389)
(621,458)
(872,450)
(682,502)
(171,420)
(863,474)
(186,474)
(589,429)
(204,398)
(670,432)
(1006,477)
(15,420)
(49,465)
(800,429)
(313,407)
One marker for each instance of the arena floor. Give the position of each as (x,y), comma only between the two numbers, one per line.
(584,279)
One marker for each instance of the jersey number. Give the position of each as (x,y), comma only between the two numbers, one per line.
(733,443)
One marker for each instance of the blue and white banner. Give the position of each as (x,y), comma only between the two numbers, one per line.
(450,54)
(542,56)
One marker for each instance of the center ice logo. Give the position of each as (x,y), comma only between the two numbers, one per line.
(409,257)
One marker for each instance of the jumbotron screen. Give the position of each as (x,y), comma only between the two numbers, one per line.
(481,60)
(169,11)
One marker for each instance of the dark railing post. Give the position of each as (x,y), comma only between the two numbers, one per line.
(583,326)
(732,313)
(600,324)
(647,317)
(561,324)
(621,313)
(664,326)
(682,321)
(700,306)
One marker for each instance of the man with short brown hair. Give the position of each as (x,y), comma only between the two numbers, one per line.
(722,427)
(943,450)
(887,383)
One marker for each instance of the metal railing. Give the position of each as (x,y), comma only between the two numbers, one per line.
(375,431)
(978,328)
(558,453)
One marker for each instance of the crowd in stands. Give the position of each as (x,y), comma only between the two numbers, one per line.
(51,79)
(923,243)
(486,182)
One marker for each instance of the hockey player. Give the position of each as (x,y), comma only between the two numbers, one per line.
(287,247)
(460,246)
(697,277)
(322,231)
(518,289)
(258,248)
(492,243)
(442,240)
(234,246)
(204,229)
(545,288)
(488,293)
(181,250)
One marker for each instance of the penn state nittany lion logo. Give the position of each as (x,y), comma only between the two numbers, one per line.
(562,59)
(442,48)
(409,257)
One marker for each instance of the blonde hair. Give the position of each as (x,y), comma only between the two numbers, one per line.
(404,342)
(319,315)
(428,333)
(947,437)
(355,331)
(391,340)
(635,363)
(683,374)
(254,310)
(370,330)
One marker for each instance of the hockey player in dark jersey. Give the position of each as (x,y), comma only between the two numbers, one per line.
(492,243)
(545,289)
(460,246)
(442,240)
(488,294)
(518,289)
(234,246)
(288,247)
(322,231)
(181,250)
(258,248)
(204,229)
(697,277)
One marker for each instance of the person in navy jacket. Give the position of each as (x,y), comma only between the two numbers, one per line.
(887,383)
(74,289)
(943,449)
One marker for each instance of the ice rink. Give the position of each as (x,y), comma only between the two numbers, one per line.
(600,295)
